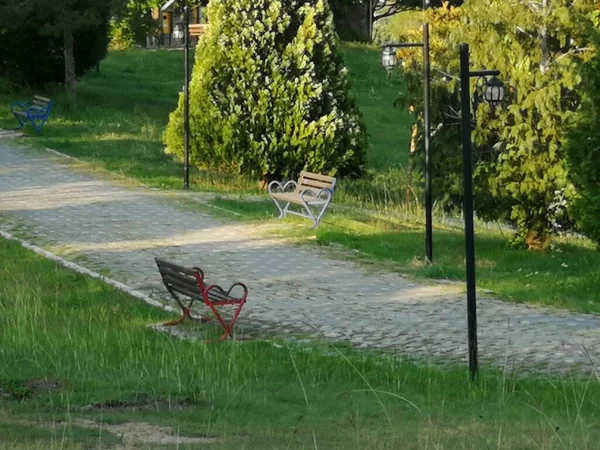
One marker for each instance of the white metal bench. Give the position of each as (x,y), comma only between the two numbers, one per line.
(312,192)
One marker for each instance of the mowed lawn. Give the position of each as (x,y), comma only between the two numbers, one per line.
(78,360)
(121,112)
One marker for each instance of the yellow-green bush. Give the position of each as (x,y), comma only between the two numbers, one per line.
(269,93)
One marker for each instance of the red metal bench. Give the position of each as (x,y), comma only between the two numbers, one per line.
(183,282)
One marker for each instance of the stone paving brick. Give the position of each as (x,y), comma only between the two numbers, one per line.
(292,289)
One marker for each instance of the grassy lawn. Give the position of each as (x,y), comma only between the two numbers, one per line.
(75,353)
(121,112)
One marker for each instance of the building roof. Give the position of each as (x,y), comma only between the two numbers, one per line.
(171,3)
(167,5)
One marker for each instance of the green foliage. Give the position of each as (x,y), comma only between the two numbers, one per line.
(269,93)
(74,348)
(31,38)
(583,151)
(521,173)
(398,27)
(133,22)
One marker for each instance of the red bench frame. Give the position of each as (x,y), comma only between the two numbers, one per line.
(178,281)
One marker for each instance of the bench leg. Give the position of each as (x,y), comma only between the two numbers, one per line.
(38,124)
(316,219)
(21,123)
(227,327)
(280,209)
(186,313)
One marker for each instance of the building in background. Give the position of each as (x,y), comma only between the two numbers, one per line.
(171,19)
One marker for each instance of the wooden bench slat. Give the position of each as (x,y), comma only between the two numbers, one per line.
(189,286)
(198,29)
(313,184)
(182,281)
(191,294)
(182,284)
(316,176)
(36,112)
(190,278)
(297,199)
(216,296)
(175,267)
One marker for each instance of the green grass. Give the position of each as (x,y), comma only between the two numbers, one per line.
(67,342)
(120,114)
(388,127)
(567,277)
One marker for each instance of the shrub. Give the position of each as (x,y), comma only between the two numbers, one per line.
(583,151)
(269,93)
(132,21)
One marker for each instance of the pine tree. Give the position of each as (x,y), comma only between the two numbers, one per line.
(47,25)
(519,151)
(583,149)
(269,93)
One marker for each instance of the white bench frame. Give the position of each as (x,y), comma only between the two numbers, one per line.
(310,191)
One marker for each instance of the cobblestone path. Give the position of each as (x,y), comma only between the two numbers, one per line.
(292,289)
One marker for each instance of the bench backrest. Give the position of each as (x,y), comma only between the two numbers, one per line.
(42,102)
(180,280)
(40,108)
(314,182)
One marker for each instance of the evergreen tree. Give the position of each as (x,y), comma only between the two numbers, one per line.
(69,32)
(269,94)
(521,172)
(583,151)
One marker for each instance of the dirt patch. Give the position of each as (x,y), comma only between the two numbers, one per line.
(140,404)
(19,390)
(132,433)
(43,385)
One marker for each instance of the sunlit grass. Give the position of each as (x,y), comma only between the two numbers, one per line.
(121,112)
(69,344)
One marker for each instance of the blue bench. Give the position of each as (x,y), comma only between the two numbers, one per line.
(35,112)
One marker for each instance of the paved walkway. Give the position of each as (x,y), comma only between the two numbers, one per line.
(291,289)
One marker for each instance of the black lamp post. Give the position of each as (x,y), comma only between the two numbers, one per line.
(186,97)
(493,93)
(388,60)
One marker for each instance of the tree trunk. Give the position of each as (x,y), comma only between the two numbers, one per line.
(545,57)
(414,135)
(69,60)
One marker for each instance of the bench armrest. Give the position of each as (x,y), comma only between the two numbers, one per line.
(310,193)
(231,299)
(38,112)
(20,105)
(200,276)
(244,289)
(283,188)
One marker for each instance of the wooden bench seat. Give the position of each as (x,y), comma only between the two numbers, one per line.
(190,283)
(35,112)
(313,192)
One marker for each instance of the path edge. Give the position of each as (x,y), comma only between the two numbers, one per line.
(90,273)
